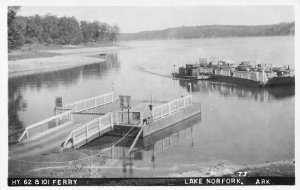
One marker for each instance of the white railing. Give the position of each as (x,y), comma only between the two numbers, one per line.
(86,131)
(92,102)
(131,118)
(46,125)
(171,107)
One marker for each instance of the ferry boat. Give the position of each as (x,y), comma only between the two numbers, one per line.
(245,73)
(255,75)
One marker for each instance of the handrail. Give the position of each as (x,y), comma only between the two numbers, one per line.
(87,99)
(43,122)
(88,123)
(48,119)
(95,98)
(170,111)
(86,126)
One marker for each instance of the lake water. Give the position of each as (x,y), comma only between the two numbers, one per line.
(238,124)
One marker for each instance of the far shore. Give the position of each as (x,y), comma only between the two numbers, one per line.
(38,59)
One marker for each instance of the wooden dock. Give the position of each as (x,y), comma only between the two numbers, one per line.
(80,122)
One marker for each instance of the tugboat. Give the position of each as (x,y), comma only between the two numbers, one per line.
(190,72)
(202,70)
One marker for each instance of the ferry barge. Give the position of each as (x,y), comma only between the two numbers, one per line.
(243,74)
(257,76)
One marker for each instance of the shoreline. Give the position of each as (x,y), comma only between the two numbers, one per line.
(59,59)
(41,65)
(284,168)
(91,163)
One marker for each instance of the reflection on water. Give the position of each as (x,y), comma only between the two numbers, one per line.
(52,81)
(231,90)
(146,149)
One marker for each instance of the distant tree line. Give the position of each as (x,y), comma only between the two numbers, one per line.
(213,31)
(50,29)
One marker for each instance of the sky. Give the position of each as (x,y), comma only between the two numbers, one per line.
(132,19)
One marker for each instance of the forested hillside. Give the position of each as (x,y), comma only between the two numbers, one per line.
(50,29)
(213,31)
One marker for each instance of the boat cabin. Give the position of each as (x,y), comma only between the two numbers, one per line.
(189,70)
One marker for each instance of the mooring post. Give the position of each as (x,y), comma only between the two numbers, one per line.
(174,71)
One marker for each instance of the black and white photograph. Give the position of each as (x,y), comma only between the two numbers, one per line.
(149,93)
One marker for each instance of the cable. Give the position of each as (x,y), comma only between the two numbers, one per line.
(123,136)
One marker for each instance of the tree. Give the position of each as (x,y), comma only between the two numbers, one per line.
(113,33)
(19,26)
(50,29)
(69,31)
(13,35)
(34,28)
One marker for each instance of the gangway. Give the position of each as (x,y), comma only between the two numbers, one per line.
(66,117)
(89,131)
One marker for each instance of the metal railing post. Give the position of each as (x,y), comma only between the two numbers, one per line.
(161,113)
(73,139)
(117,118)
(111,121)
(87,133)
(141,117)
(99,123)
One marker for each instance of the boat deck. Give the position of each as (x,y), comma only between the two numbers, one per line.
(54,138)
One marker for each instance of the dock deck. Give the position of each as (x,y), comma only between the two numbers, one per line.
(77,125)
